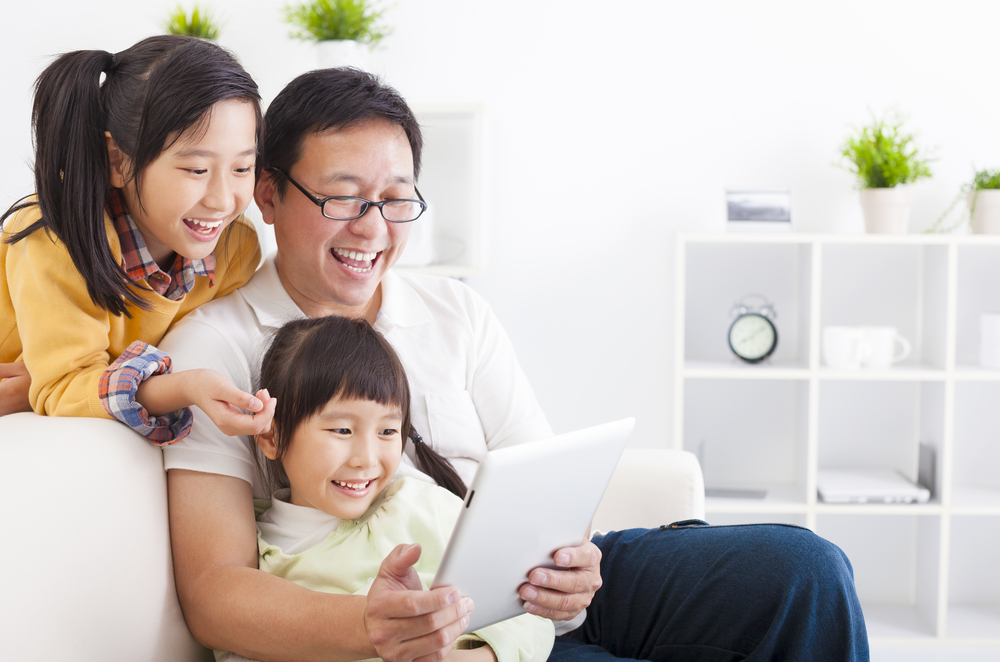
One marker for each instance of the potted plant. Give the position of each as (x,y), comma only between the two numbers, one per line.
(344,30)
(199,23)
(885,159)
(983,197)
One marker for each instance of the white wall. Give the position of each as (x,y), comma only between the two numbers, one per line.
(613,125)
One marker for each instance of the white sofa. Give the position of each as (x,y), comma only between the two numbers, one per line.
(87,572)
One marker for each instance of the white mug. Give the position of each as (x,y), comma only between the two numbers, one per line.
(882,342)
(853,347)
(989,340)
(844,347)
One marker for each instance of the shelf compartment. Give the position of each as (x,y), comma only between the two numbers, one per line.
(778,271)
(779,498)
(898,285)
(879,424)
(974,579)
(896,569)
(976,453)
(976,265)
(759,442)
(452,182)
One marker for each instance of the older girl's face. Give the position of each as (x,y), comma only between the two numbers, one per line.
(341,459)
(196,187)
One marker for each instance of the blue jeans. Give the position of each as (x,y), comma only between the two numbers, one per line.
(689,591)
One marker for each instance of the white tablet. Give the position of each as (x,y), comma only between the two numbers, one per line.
(524,503)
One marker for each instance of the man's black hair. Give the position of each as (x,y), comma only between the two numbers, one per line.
(329,99)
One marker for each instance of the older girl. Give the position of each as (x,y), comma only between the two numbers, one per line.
(144,161)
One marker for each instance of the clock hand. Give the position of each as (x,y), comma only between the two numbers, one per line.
(751,336)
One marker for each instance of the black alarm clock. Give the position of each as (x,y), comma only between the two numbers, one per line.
(752,334)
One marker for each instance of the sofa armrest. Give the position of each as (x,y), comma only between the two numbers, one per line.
(88,572)
(651,487)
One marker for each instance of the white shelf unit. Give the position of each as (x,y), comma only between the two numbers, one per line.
(452,181)
(926,574)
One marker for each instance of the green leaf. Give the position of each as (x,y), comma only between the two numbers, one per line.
(199,23)
(882,156)
(323,20)
(986,179)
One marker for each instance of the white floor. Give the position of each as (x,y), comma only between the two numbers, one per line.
(930,653)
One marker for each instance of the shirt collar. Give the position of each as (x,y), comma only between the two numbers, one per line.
(139,264)
(267,297)
(401,304)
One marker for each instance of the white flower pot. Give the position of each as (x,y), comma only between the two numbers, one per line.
(984,206)
(342,53)
(886,210)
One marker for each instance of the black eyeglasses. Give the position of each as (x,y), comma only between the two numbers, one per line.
(349,207)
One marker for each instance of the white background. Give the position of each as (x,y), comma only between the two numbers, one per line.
(613,125)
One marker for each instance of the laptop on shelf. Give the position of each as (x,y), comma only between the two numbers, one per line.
(868,486)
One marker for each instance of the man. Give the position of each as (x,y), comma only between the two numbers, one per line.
(685,592)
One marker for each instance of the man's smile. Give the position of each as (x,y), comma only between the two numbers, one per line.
(355,260)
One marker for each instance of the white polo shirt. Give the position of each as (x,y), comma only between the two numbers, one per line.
(469,394)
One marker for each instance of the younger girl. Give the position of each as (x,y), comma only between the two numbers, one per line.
(342,419)
(140,180)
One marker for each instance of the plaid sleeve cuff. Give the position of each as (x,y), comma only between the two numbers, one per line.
(119,384)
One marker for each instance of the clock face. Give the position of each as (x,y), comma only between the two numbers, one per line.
(752,337)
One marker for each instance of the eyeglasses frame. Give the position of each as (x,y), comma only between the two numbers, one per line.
(368,204)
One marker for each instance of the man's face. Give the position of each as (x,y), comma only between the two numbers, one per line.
(332,266)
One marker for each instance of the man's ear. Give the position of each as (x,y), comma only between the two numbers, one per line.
(266,197)
(267,444)
(117,159)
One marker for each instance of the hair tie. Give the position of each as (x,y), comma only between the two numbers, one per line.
(415,437)
(110,63)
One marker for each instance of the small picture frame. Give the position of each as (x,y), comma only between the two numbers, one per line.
(758,211)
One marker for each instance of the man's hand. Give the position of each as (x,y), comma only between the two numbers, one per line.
(562,594)
(14,384)
(405,622)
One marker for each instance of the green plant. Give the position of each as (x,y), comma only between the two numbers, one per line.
(883,156)
(985,179)
(981,180)
(324,20)
(199,23)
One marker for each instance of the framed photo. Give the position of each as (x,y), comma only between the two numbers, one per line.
(758,211)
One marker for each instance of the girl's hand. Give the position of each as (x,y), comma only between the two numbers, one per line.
(213,394)
(14,384)
(222,401)
(405,622)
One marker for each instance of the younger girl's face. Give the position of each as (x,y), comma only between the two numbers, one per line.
(342,458)
(197,185)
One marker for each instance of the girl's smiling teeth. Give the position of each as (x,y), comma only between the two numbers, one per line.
(355,260)
(202,227)
(353,485)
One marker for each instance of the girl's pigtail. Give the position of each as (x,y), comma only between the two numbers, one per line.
(437,466)
(72,174)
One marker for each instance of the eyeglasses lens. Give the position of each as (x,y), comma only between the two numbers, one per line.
(400,211)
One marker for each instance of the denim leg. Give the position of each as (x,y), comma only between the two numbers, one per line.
(726,593)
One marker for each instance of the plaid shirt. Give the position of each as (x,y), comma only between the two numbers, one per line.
(121,380)
(139,264)
(141,360)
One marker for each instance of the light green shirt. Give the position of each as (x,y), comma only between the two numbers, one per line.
(409,511)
